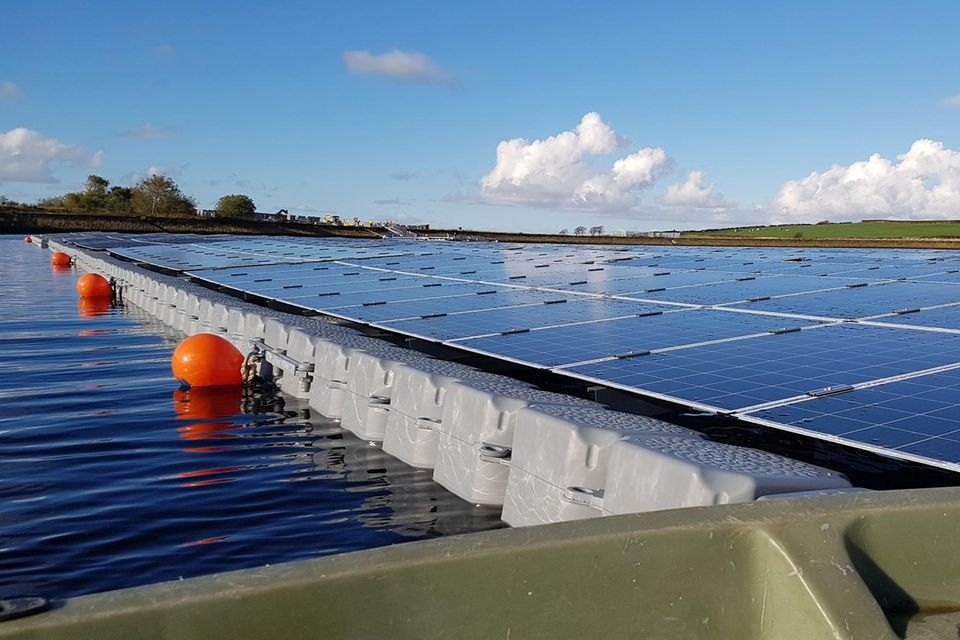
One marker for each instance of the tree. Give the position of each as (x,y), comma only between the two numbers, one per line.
(119,199)
(579,231)
(564,232)
(95,193)
(235,206)
(597,230)
(159,195)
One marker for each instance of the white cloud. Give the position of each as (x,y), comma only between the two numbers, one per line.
(924,182)
(694,194)
(150,131)
(952,101)
(402,66)
(553,172)
(9,91)
(153,170)
(26,156)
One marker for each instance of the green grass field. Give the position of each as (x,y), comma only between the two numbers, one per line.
(869,229)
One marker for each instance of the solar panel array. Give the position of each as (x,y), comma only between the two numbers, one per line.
(859,346)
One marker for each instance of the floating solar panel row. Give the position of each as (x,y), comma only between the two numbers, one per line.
(749,352)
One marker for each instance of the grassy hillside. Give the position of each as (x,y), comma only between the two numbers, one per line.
(866,229)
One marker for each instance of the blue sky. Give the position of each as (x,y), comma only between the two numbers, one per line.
(270,101)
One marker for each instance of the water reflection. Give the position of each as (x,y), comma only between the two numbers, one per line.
(111,479)
(93,307)
(384,494)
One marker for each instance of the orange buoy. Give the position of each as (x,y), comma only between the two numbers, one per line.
(60,259)
(207,360)
(27,240)
(93,285)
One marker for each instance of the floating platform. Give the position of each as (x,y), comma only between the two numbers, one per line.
(471,419)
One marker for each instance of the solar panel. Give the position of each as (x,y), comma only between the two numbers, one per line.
(548,312)
(942,317)
(917,417)
(735,375)
(486,298)
(816,340)
(564,346)
(861,300)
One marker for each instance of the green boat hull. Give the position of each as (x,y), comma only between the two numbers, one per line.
(868,565)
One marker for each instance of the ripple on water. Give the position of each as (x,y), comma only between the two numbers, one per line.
(111,477)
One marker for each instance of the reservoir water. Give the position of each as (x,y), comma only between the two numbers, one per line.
(111,477)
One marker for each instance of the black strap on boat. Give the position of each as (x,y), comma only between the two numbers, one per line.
(13,608)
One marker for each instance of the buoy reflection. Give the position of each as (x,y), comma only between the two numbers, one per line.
(209,410)
(207,406)
(93,307)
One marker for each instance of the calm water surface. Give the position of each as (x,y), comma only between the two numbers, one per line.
(111,477)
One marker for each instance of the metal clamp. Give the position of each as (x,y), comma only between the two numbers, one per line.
(584,496)
(495,453)
(428,424)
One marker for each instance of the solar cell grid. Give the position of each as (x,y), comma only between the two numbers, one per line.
(434,306)
(747,288)
(860,302)
(546,313)
(579,343)
(775,367)
(941,317)
(916,416)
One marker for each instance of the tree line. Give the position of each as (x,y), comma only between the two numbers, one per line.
(156,195)
(581,231)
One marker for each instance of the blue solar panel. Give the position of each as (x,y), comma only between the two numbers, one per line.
(550,312)
(334,299)
(859,302)
(918,416)
(747,288)
(578,343)
(941,317)
(484,299)
(734,375)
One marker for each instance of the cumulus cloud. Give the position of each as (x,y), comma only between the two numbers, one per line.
(150,131)
(26,156)
(952,101)
(402,66)
(554,173)
(924,182)
(153,170)
(694,194)
(9,91)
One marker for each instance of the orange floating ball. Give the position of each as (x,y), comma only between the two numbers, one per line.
(207,360)
(60,259)
(93,285)
(27,240)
